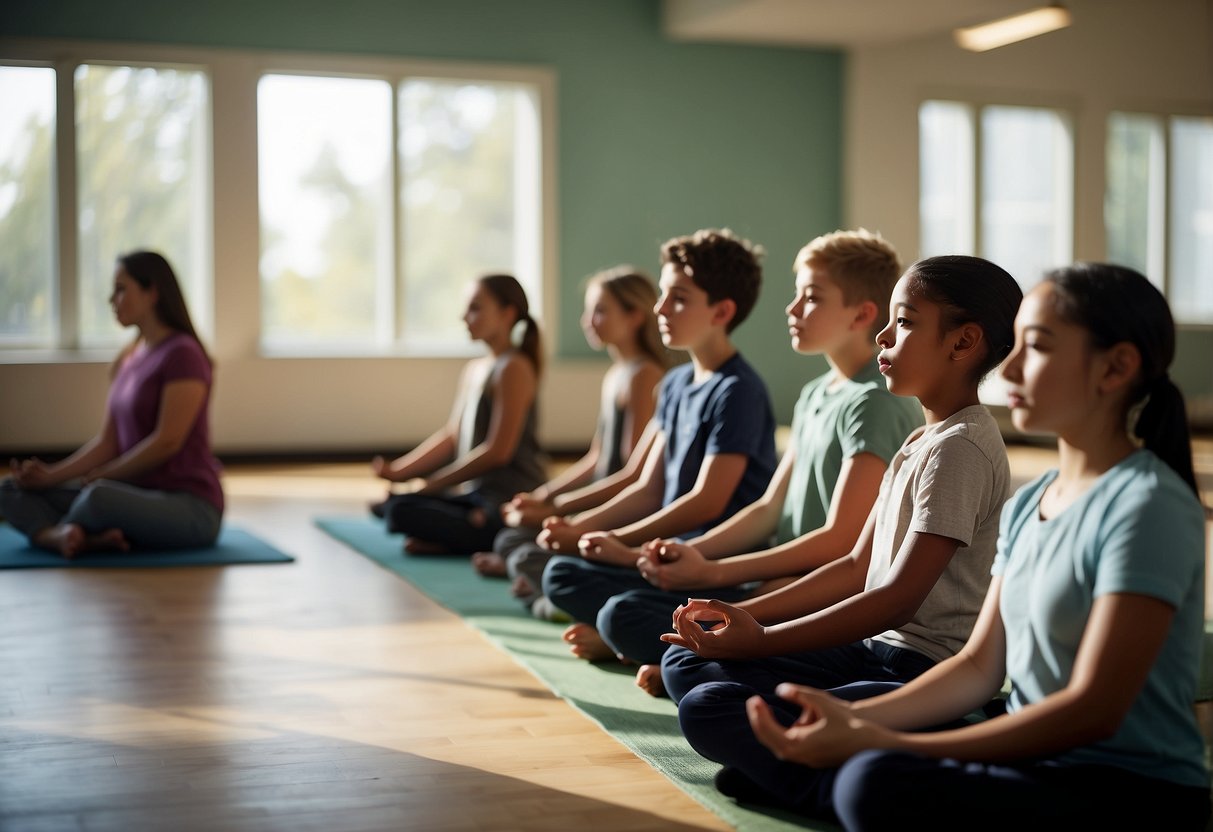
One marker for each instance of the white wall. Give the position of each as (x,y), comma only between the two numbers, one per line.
(265,405)
(1138,55)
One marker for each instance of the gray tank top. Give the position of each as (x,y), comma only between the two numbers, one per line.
(526,470)
(611,420)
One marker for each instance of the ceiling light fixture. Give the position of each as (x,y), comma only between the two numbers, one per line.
(1015,28)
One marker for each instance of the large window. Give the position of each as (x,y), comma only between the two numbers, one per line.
(1157,222)
(344,266)
(998,182)
(358,197)
(141,180)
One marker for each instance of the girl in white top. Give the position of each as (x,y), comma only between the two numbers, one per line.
(619,318)
(1095,612)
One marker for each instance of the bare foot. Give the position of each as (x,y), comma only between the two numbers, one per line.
(648,679)
(522,587)
(585,643)
(423,547)
(68,539)
(489,564)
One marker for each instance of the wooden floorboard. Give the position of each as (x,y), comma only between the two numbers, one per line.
(326,694)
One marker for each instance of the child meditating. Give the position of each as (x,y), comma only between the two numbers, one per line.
(619,318)
(908,594)
(454,481)
(148,478)
(713,451)
(846,428)
(1095,615)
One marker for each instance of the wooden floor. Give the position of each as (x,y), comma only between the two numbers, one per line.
(322,695)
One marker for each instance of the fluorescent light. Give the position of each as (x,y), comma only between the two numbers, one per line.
(1017,27)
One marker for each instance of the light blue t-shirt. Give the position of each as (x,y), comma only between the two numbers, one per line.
(1139,529)
(829,426)
(728,413)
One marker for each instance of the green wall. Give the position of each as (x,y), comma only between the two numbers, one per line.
(656,138)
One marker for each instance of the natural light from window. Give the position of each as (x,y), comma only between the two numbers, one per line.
(27,207)
(143,182)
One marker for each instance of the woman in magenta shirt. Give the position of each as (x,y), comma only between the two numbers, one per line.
(148,478)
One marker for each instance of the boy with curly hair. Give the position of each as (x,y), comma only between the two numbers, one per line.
(712,453)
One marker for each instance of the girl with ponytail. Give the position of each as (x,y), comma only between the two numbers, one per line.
(1095,613)
(619,318)
(454,481)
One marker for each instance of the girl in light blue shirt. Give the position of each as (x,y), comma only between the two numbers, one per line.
(1095,612)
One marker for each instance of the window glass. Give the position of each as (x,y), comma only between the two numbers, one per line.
(324,165)
(946,168)
(1133,198)
(469,162)
(1026,190)
(143,182)
(1190,286)
(28,298)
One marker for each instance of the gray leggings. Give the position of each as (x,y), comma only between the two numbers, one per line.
(148,519)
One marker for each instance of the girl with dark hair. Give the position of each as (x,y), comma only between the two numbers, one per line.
(618,318)
(1095,613)
(909,592)
(148,478)
(487,452)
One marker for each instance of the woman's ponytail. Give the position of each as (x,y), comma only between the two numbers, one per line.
(1162,426)
(509,292)
(532,343)
(1118,305)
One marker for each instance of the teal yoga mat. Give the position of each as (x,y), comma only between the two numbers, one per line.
(604,692)
(233,547)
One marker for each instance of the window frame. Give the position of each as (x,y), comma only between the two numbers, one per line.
(975,106)
(233,325)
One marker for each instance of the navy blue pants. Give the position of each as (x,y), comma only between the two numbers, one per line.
(683,670)
(879,790)
(462,524)
(711,698)
(629,612)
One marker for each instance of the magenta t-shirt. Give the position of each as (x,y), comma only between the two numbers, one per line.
(134,409)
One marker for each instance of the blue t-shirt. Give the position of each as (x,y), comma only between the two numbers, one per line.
(728,413)
(1139,529)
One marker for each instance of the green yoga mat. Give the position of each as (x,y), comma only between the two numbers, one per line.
(604,692)
(234,546)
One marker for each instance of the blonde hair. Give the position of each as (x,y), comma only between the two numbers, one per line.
(634,290)
(862,263)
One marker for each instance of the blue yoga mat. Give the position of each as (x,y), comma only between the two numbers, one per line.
(234,546)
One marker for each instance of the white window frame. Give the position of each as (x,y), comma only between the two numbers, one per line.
(234,215)
(975,107)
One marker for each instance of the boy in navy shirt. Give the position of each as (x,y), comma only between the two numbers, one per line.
(713,452)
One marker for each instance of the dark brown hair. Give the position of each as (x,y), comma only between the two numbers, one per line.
(1117,305)
(507,291)
(152,271)
(722,264)
(971,290)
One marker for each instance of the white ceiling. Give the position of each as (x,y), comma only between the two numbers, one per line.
(838,23)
